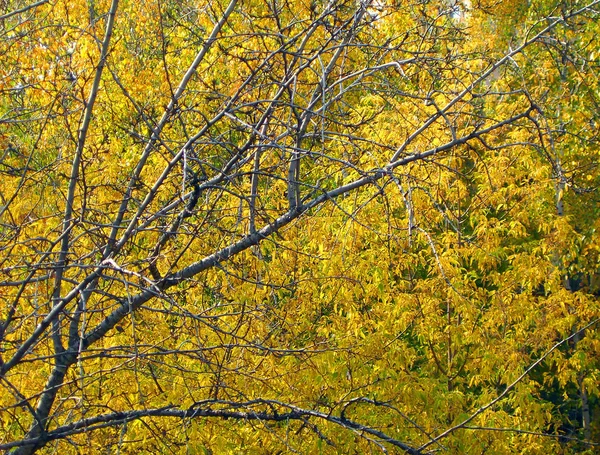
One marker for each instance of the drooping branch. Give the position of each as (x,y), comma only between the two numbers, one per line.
(272,411)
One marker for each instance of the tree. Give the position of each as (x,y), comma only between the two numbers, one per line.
(322,226)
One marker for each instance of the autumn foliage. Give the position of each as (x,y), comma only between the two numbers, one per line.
(311,227)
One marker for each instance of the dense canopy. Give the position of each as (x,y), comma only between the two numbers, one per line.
(270,226)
